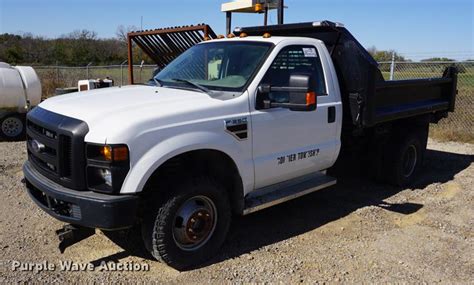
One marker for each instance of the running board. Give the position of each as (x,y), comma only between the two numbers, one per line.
(285,191)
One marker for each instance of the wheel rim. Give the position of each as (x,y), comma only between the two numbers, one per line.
(409,161)
(194,223)
(12,127)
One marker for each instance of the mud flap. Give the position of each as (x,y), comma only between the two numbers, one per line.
(70,235)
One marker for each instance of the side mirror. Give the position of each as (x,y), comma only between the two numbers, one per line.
(301,97)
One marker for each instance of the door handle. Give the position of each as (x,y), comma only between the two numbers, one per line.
(331,114)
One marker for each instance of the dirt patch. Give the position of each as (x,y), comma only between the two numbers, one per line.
(357,231)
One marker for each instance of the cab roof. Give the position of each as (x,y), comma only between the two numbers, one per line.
(274,40)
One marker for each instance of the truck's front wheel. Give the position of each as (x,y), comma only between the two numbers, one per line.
(189,225)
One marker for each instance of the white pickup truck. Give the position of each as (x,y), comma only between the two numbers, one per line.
(230,127)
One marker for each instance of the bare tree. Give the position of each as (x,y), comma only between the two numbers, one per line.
(82,35)
(122,32)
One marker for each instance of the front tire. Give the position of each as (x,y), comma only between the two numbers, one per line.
(190,223)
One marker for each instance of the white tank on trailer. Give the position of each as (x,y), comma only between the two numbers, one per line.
(18,86)
(20,90)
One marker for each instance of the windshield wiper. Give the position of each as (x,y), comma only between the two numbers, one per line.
(158,82)
(198,86)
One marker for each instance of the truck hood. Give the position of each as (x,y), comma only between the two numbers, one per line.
(110,112)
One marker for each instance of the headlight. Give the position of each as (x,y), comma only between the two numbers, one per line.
(107,167)
(106,176)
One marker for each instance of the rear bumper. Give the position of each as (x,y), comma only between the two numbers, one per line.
(84,208)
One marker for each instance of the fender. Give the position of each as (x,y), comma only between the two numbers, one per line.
(4,112)
(142,169)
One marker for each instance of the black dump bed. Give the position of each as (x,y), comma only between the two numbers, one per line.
(367,98)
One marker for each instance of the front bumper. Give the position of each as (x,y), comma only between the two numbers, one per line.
(84,208)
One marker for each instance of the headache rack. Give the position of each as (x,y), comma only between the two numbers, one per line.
(164,45)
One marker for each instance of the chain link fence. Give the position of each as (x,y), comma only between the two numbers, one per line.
(459,126)
(53,77)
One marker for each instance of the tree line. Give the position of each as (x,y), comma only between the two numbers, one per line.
(387,55)
(81,47)
(78,48)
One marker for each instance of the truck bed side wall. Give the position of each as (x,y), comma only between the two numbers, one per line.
(393,100)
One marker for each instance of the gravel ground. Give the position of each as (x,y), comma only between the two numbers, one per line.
(354,232)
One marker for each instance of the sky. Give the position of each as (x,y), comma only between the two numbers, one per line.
(415,28)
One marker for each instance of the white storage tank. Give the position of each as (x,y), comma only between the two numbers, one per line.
(20,90)
(17,85)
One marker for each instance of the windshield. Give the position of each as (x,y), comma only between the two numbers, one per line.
(223,66)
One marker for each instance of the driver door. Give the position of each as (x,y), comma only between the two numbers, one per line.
(288,144)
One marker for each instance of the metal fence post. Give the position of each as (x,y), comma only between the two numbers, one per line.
(121,72)
(87,70)
(141,69)
(392,67)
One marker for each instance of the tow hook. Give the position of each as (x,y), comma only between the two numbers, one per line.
(70,235)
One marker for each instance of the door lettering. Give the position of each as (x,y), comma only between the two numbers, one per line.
(297,156)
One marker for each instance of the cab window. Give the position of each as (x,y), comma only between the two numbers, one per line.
(300,59)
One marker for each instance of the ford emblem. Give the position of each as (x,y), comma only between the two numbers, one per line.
(37,146)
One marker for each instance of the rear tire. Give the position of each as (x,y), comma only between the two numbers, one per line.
(190,223)
(12,128)
(405,157)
